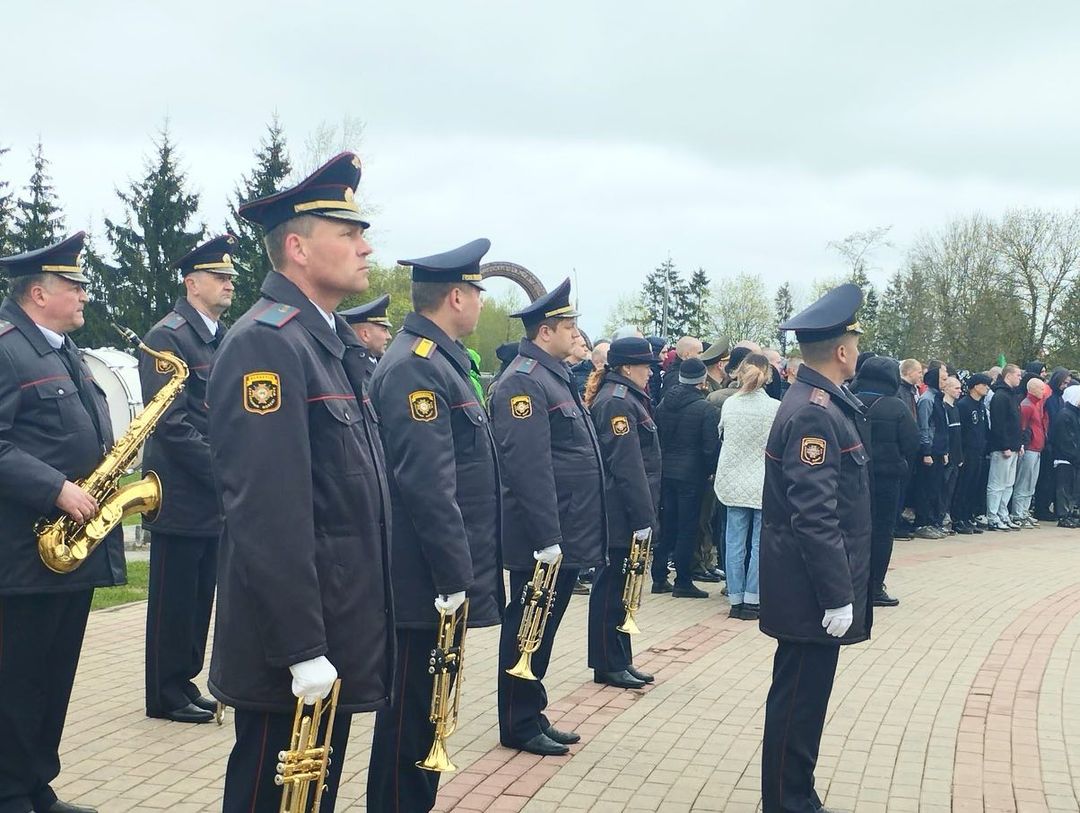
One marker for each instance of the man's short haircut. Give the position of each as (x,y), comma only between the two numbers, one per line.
(428,296)
(1009,369)
(821,352)
(908,366)
(533,330)
(274,240)
(19,287)
(687,346)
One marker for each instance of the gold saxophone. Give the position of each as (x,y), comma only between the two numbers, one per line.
(446,666)
(64,543)
(635,566)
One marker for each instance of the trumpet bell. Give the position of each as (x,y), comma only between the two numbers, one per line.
(437,760)
(523,668)
(629,626)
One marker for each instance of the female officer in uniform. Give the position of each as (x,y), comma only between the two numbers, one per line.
(630,449)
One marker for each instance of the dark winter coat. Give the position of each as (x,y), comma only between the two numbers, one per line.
(178,451)
(1054,401)
(1065,435)
(581,372)
(815,535)
(630,446)
(894,437)
(955,432)
(444,480)
(549,456)
(933,425)
(688,434)
(47,436)
(303,565)
(974,428)
(1004,418)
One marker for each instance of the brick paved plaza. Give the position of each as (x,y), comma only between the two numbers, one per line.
(965,700)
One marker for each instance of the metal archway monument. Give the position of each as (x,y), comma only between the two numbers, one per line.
(526,280)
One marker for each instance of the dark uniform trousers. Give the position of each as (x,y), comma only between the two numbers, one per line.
(965,502)
(40,640)
(609,649)
(681,506)
(522,702)
(885,496)
(183,572)
(253,763)
(794,718)
(404,733)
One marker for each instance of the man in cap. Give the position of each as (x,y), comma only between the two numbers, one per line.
(54,431)
(304,593)
(444,488)
(815,545)
(184,532)
(372,328)
(554,498)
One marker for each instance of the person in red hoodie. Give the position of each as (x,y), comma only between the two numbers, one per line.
(1033,428)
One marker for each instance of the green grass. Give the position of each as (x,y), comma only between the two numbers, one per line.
(135,590)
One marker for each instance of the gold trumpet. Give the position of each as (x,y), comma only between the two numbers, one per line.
(537,597)
(446,663)
(635,566)
(306,762)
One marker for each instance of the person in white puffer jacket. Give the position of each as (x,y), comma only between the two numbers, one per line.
(745,422)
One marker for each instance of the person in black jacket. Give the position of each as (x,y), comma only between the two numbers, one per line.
(690,439)
(974,430)
(894,441)
(1004,445)
(1065,440)
(950,391)
(929,479)
(1045,485)
(184,533)
(54,431)
(444,492)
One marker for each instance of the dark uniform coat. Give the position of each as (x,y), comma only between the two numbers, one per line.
(630,447)
(47,436)
(815,536)
(444,480)
(178,450)
(304,563)
(550,460)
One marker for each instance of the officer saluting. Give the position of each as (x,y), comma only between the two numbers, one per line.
(815,545)
(550,460)
(54,431)
(372,328)
(444,487)
(304,593)
(622,413)
(184,533)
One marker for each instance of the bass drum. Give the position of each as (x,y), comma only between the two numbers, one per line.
(118,374)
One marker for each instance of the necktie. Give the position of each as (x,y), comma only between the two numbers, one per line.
(71,360)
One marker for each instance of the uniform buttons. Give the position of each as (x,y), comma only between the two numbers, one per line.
(346,414)
(60,391)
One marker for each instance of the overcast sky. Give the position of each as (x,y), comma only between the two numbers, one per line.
(596,136)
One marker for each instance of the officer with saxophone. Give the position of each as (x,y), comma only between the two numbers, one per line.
(372,328)
(184,533)
(554,513)
(304,577)
(444,487)
(622,413)
(54,431)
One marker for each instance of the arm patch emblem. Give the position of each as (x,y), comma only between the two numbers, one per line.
(422,405)
(812,451)
(262,392)
(620,426)
(521,406)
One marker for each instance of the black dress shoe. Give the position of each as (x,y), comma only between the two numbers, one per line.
(883,599)
(186,714)
(681,591)
(620,680)
(206,703)
(702,576)
(661,587)
(964,529)
(541,745)
(644,677)
(562,737)
(68,807)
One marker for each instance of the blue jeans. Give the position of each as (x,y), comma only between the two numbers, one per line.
(742,581)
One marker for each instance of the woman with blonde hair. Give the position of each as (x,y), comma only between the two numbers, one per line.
(745,422)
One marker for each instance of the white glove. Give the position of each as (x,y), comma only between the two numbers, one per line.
(449,604)
(836,622)
(548,555)
(313,680)
(643,534)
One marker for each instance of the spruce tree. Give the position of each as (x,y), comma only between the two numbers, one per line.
(6,204)
(698,321)
(665,298)
(156,231)
(784,306)
(270,175)
(39,221)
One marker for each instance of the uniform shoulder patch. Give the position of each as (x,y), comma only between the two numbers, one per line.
(277,315)
(262,392)
(619,391)
(422,405)
(820,397)
(521,406)
(620,425)
(5,327)
(525,366)
(425,348)
(173,321)
(812,451)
